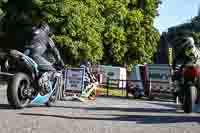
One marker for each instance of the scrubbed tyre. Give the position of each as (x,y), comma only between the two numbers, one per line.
(17,91)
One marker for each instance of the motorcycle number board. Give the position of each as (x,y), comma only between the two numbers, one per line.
(74,79)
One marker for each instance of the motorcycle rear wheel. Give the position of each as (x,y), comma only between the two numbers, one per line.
(190,97)
(15,91)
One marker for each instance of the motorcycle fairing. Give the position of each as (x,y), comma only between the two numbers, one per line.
(39,99)
(31,62)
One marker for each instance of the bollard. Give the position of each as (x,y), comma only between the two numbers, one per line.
(108,84)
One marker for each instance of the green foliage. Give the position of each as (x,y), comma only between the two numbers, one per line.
(114,35)
(105,31)
(196,36)
(195,22)
(2,12)
(2,5)
(129,36)
(78,26)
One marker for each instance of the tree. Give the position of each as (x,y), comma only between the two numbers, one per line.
(114,35)
(113,32)
(2,10)
(152,36)
(129,37)
(77,25)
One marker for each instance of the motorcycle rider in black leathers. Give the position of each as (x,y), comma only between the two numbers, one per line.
(40,46)
(190,54)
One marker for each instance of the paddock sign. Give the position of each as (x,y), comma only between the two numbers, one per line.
(74,79)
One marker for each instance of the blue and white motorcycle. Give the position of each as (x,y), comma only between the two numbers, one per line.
(23,86)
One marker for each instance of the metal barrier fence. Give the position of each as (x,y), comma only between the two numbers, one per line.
(130,86)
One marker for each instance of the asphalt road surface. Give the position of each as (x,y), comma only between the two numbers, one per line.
(105,115)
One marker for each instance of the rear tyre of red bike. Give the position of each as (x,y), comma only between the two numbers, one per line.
(190,96)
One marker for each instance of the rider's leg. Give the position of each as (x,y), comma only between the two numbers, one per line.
(37,51)
(46,71)
(43,64)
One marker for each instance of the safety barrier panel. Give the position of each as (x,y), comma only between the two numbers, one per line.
(150,87)
(74,80)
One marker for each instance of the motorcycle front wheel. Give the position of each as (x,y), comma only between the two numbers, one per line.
(190,97)
(17,91)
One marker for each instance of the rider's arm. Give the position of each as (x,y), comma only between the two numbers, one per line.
(55,51)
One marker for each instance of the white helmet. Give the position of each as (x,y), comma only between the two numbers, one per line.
(189,42)
(190,47)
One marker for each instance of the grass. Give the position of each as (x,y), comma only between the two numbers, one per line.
(112,92)
(122,93)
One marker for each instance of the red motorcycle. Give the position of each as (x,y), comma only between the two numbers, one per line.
(189,84)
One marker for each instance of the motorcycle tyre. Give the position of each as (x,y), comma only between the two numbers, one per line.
(189,99)
(13,88)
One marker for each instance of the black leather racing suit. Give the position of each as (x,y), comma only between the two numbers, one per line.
(42,49)
(39,47)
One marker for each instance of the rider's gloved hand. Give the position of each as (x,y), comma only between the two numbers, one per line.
(60,65)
